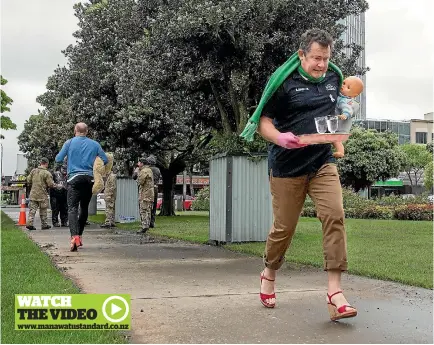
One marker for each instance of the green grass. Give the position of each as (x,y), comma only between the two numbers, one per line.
(191,226)
(26,270)
(394,250)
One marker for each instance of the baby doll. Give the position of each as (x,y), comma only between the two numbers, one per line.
(347,107)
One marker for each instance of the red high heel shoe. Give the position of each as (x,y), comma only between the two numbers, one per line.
(265,296)
(339,313)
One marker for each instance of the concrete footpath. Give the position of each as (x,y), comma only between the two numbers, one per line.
(187,293)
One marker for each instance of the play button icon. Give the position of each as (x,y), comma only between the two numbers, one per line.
(115,309)
(110,309)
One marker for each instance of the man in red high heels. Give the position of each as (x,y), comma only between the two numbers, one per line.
(296,170)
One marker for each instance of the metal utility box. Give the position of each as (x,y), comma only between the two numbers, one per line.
(240,199)
(127,200)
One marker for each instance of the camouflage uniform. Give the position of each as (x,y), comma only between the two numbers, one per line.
(110,199)
(145,181)
(151,160)
(40,179)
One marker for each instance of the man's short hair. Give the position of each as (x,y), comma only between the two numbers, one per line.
(322,37)
(44,160)
(81,127)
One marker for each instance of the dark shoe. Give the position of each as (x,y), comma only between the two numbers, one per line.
(65,225)
(46,227)
(105,226)
(143,231)
(30,227)
(56,225)
(87,223)
(81,241)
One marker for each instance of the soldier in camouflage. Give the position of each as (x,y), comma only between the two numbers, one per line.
(110,200)
(152,161)
(58,198)
(40,180)
(145,180)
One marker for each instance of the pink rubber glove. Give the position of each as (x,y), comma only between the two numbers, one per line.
(289,141)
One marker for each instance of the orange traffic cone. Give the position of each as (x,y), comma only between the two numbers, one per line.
(22,220)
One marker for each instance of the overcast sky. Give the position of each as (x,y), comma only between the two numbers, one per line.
(399,51)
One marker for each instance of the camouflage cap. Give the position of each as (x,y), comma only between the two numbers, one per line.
(44,160)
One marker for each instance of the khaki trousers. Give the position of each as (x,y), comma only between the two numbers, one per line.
(288,195)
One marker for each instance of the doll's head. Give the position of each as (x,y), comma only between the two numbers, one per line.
(352,87)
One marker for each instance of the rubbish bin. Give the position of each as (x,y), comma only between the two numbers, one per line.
(178,204)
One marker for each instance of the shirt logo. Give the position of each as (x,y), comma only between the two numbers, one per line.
(302,89)
(330,87)
(331,97)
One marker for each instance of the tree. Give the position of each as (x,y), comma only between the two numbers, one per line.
(228,49)
(45,133)
(416,158)
(6,122)
(157,76)
(428,176)
(224,51)
(428,171)
(369,157)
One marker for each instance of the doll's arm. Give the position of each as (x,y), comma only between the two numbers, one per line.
(345,106)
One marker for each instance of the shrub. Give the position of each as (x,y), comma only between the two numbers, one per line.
(392,200)
(308,202)
(390,207)
(418,199)
(201,203)
(377,212)
(354,200)
(308,211)
(414,212)
(353,213)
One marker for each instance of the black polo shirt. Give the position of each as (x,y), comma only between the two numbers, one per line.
(293,108)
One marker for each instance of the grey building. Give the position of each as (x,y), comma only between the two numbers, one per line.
(355,33)
(402,128)
(414,131)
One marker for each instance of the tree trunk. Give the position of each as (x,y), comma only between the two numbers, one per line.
(127,169)
(416,177)
(234,103)
(190,174)
(224,116)
(169,180)
(409,177)
(239,106)
(244,116)
(184,188)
